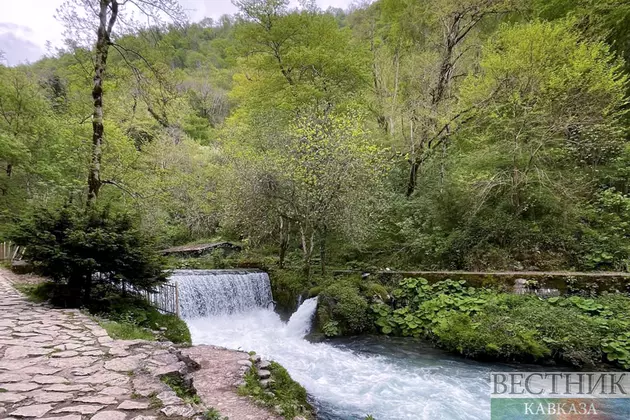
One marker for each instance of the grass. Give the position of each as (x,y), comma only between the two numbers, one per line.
(37,293)
(181,388)
(138,317)
(284,394)
(214,414)
(126,331)
(155,402)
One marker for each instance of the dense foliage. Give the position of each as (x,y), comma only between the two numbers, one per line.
(437,134)
(90,252)
(483,323)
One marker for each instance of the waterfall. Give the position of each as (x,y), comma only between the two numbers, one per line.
(301,321)
(205,293)
(389,382)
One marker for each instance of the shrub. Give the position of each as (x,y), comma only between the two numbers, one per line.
(375,291)
(341,302)
(88,248)
(486,324)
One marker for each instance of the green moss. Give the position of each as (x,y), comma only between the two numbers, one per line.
(343,310)
(375,291)
(286,286)
(314,291)
(155,402)
(283,394)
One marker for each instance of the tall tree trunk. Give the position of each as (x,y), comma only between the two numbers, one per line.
(413,161)
(100,64)
(395,98)
(87,288)
(308,244)
(322,250)
(284,241)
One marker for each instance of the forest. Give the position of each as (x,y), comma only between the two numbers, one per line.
(334,151)
(444,134)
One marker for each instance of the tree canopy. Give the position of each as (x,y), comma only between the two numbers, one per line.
(465,134)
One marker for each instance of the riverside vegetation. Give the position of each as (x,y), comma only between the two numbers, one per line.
(443,134)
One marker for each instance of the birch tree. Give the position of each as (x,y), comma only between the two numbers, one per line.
(97,23)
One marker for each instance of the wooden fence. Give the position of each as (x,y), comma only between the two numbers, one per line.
(11,252)
(165,298)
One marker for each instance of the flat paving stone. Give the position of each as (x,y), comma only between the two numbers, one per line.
(11,397)
(14,377)
(19,352)
(133,405)
(36,410)
(49,379)
(81,409)
(69,353)
(109,415)
(20,387)
(68,388)
(49,397)
(115,390)
(97,399)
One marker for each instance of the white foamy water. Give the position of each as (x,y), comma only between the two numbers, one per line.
(347,384)
(214,292)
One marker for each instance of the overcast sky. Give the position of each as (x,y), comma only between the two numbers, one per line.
(26,25)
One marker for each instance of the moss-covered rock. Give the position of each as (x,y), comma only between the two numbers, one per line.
(286,287)
(343,310)
(278,391)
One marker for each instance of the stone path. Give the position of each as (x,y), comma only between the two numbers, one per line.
(59,364)
(221,372)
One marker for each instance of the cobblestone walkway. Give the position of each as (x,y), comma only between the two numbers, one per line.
(60,364)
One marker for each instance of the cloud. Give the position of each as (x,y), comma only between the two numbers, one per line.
(28,24)
(19,50)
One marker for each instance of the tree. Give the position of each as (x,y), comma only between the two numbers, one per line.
(40,155)
(421,51)
(82,249)
(547,118)
(101,16)
(323,179)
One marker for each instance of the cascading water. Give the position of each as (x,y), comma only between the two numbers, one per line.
(205,293)
(348,380)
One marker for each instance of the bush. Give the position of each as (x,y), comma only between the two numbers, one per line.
(486,324)
(89,249)
(342,303)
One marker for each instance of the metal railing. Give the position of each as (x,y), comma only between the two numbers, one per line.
(11,252)
(165,298)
